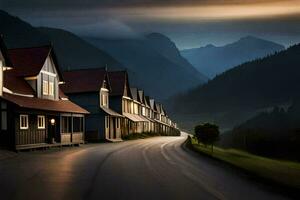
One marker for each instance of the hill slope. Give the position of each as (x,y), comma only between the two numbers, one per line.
(261,83)
(155,68)
(212,60)
(75,53)
(18,33)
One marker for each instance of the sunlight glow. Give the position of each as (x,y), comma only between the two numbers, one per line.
(210,12)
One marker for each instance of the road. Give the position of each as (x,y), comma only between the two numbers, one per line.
(155,168)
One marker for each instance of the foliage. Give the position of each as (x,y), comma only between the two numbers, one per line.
(273,134)
(285,173)
(260,83)
(207,133)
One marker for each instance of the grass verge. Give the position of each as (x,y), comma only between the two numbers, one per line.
(135,136)
(283,173)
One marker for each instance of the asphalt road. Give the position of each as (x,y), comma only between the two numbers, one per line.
(155,168)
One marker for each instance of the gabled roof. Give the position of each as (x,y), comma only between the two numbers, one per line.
(20,93)
(141,96)
(134,92)
(147,101)
(85,80)
(29,62)
(157,107)
(119,83)
(152,104)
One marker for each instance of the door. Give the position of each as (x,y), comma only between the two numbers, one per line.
(53,129)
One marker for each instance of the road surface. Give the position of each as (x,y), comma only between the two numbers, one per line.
(155,168)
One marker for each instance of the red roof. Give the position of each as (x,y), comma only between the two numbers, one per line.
(28,61)
(118,80)
(16,84)
(44,104)
(89,80)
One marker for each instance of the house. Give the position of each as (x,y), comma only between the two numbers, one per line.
(142,124)
(121,100)
(92,93)
(145,111)
(34,111)
(150,113)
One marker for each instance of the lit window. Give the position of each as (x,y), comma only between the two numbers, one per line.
(45,88)
(41,122)
(23,122)
(51,89)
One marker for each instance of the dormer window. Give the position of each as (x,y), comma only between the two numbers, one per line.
(45,88)
(104,97)
(51,88)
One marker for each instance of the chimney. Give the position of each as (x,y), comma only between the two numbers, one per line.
(1,78)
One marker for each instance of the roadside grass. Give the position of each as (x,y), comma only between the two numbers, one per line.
(285,173)
(135,136)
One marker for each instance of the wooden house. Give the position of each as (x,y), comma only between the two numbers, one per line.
(150,113)
(142,125)
(34,112)
(121,100)
(92,93)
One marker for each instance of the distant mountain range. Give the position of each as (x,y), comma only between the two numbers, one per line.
(256,85)
(158,66)
(153,62)
(212,60)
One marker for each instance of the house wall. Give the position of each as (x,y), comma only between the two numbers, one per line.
(32,135)
(95,121)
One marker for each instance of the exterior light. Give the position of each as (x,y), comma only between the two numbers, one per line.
(52,121)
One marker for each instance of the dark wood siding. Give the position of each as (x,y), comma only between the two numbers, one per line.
(32,135)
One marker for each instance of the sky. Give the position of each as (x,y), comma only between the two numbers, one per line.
(189,23)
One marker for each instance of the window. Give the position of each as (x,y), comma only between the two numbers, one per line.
(23,122)
(104,98)
(66,124)
(41,122)
(51,89)
(45,88)
(78,124)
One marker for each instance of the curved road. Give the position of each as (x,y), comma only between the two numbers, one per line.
(155,168)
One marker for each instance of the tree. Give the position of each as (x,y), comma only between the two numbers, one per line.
(207,134)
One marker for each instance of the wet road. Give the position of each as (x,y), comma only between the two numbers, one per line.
(155,168)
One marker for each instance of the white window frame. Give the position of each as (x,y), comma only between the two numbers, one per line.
(51,88)
(26,122)
(42,118)
(45,87)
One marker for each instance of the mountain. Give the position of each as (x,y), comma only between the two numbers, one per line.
(267,82)
(212,60)
(156,62)
(18,33)
(75,53)
(167,48)
(157,68)
(72,52)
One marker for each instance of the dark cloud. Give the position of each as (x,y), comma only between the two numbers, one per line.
(103,18)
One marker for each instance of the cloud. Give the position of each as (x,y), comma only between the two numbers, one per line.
(109,28)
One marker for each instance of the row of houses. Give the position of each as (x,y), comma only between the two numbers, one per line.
(40,106)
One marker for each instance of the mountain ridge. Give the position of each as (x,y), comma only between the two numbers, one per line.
(213,60)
